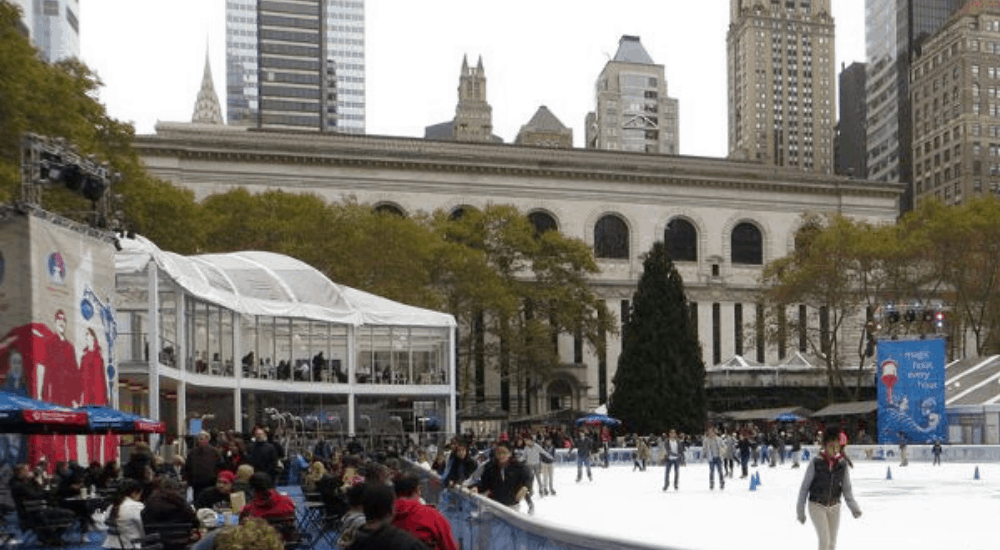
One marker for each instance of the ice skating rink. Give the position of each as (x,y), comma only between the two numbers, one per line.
(921,507)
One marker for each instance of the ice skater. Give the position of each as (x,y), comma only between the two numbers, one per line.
(827,478)
(673,448)
(584,446)
(936,451)
(712,445)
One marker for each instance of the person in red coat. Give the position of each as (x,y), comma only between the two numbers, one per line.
(269,505)
(419,519)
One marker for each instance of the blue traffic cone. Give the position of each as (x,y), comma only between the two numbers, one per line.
(976,476)
(758,479)
(888,472)
(753,483)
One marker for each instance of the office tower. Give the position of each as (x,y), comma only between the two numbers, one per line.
(545,130)
(850,138)
(296,64)
(633,111)
(473,115)
(955,76)
(53,27)
(206,108)
(893,29)
(781,64)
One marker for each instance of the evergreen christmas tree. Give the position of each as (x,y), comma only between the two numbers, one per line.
(660,381)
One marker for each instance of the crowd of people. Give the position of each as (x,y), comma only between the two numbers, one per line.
(368,498)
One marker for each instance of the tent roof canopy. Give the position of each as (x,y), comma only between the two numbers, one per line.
(265,283)
(844,409)
(766,414)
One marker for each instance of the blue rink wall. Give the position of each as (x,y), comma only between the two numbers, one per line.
(479,523)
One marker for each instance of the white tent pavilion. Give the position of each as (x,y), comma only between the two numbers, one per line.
(226,337)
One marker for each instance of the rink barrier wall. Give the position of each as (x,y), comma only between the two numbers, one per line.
(916,453)
(480,523)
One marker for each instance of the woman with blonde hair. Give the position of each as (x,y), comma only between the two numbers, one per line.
(252,534)
(242,482)
(313,476)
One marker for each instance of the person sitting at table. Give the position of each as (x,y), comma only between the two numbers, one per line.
(217,495)
(125,518)
(242,482)
(167,512)
(110,476)
(92,476)
(67,482)
(316,472)
(268,504)
(23,490)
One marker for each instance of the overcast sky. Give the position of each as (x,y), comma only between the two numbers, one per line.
(151,56)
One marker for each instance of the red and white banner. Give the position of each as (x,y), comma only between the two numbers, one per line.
(56,328)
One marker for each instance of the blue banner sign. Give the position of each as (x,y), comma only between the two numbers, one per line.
(911,396)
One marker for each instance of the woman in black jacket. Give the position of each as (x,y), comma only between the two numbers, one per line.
(827,479)
(167,512)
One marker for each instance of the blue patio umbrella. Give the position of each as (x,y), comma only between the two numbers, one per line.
(105,419)
(20,414)
(598,419)
(788,417)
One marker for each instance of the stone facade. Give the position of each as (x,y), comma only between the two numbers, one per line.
(579,189)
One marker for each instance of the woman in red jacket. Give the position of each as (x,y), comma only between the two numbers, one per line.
(269,505)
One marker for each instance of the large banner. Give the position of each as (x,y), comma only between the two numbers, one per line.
(911,396)
(57,329)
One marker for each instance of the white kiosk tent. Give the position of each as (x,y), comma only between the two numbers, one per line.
(244,337)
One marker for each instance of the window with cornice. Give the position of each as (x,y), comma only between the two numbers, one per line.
(611,238)
(681,239)
(747,245)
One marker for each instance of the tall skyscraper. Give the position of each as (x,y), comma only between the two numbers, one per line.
(781,66)
(893,29)
(296,64)
(953,89)
(633,110)
(850,139)
(53,27)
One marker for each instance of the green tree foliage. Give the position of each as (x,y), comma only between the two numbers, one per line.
(660,381)
(523,286)
(60,100)
(838,269)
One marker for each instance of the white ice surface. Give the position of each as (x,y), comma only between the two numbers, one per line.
(921,507)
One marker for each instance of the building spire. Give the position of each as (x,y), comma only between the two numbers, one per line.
(206,108)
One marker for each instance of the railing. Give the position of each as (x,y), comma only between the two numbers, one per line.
(480,523)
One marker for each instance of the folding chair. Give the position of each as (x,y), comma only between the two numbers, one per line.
(171,535)
(289,530)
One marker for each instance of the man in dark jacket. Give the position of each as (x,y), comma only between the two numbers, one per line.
(202,464)
(378,532)
(460,466)
(263,455)
(584,446)
(218,494)
(504,479)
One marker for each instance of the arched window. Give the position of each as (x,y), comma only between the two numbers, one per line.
(611,238)
(389,208)
(681,240)
(460,211)
(747,245)
(560,395)
(542,222)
